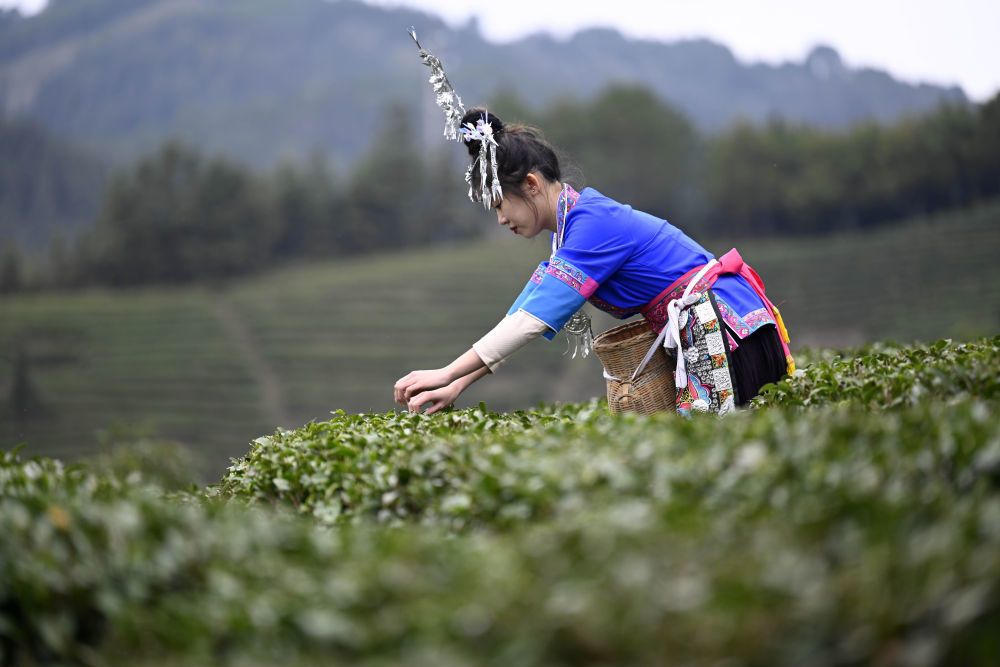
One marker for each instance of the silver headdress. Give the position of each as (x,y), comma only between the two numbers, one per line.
(446,98)
(482,131)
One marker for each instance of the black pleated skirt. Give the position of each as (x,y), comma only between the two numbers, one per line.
(759,359)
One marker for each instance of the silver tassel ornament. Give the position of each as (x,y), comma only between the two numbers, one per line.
(579,335)
(482,132)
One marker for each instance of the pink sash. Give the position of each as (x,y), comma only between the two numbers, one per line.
(730,263)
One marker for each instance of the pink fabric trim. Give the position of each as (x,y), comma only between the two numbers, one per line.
(660,299)
(732,263)
(572,276)
(747,324)
(655,311)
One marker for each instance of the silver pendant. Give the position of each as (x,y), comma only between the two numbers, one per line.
(579,336)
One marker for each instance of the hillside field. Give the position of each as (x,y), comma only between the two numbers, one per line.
(215,368)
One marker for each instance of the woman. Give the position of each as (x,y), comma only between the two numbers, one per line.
(622,261)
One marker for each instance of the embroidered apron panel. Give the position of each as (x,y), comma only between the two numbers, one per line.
(709,386)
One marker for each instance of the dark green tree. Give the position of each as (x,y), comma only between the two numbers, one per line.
(177,217)
(987,148)
(306,204)
(782,178)
(633,147)
(444,212)
(11,268)
(744,179)
(380,208)
(47,185)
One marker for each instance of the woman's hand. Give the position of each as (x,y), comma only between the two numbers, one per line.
(416,382)
(438,398)
(439,387)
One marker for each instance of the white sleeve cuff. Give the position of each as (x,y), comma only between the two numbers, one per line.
(510,335)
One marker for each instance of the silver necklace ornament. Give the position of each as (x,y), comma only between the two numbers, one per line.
(579,334)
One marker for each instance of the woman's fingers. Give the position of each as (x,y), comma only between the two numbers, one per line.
(397,392)
(437,398)
(416,388)
(418,381)
(437,405)
(416,402)
(404,387)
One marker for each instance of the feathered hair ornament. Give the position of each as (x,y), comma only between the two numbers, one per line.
(482,131)
(446,98)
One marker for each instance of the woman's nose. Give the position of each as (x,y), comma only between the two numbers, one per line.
(500,219)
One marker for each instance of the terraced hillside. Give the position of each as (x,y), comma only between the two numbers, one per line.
(219,367)
(157,361)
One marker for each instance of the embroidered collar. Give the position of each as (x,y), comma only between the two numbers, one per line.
(566,203)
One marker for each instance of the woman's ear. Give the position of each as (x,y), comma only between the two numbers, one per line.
(531,184)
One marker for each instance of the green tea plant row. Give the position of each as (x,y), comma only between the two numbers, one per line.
(474,466)
(773,549)
(885,376)
(862,531)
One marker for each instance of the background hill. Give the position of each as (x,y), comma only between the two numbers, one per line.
(263,81)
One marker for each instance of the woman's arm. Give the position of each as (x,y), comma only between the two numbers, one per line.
(409,388)
(445,396)
(443,385)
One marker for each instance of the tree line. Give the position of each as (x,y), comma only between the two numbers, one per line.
(179,215)
(776,178)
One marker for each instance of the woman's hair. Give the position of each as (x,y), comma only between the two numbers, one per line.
(520,151)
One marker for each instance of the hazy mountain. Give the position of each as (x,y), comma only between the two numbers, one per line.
(265,80)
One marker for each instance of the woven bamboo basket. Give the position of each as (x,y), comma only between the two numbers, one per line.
(621,350)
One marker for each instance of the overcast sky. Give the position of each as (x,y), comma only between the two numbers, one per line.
(940,42)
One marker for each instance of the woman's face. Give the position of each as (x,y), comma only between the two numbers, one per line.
(519,216)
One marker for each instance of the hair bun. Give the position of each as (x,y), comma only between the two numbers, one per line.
(472,117)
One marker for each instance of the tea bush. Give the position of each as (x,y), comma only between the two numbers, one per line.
(885,376)
(852,518)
